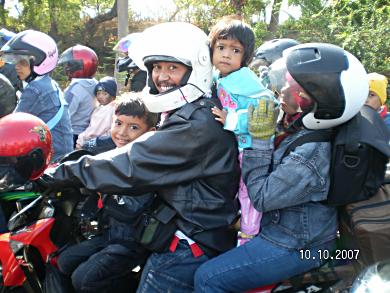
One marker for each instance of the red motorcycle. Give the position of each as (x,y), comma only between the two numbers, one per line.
(38,233)
(42,226)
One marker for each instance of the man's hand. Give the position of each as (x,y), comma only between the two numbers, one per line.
(44,184)
(262,119)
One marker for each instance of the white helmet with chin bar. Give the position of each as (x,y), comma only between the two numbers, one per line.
(174,42)
(335,80)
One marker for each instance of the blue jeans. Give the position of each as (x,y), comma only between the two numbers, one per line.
(97,266)
(171,272)
(254,264)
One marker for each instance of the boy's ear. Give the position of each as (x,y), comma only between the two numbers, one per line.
(152,129)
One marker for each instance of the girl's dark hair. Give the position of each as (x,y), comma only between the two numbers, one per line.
(130,104)
(232,27)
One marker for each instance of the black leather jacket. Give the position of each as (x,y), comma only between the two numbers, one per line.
(190,162)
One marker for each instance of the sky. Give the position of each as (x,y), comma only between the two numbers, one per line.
(152,8)
(161,8)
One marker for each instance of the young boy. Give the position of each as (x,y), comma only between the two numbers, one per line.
(96,264)
(101,119)
(232,44)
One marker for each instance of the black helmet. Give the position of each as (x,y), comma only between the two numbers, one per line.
(7,96)
(125,64)
(271,51)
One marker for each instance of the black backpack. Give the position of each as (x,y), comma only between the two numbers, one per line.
(360,152)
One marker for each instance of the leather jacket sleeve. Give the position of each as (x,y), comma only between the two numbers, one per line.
(177,153)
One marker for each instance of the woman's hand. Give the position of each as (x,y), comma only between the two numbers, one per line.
(262,119)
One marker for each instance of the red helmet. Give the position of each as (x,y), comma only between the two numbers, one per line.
(25,149)
(79,61)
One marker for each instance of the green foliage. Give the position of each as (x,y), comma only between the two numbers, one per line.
(206,13)
(40,14)
(360,26)
(260,30)
(363,27)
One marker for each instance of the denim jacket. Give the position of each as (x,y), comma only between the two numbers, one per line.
(289,191)
(41,98)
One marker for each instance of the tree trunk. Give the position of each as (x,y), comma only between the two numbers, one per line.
(238,5)
(2,11)
(93,23)
(274,23)
(123,24)
(53,23)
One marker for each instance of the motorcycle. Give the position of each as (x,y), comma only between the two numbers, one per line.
(37,234)
(328,278)
(13,201)
(44,225)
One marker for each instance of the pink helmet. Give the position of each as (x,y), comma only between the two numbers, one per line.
(39,46)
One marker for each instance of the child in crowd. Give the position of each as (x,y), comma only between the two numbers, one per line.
(80,64)
(101,119)
(232,43)
(289,189)
(96,264)
(377,96)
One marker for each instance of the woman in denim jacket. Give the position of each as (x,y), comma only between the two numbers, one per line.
(296,226)
(35,54)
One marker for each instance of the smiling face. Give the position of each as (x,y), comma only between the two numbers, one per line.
(126,128)
(227,55)
(167,75)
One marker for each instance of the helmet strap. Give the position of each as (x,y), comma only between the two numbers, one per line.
(32,75)
(186,76)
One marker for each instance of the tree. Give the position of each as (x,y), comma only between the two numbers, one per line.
(205,13)
(273,25)
(92,23)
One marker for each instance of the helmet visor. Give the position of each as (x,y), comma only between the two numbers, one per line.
(15,171)
(123,45)
(15,58)
(293,97)
(260,61)
(69,63)
(10,178)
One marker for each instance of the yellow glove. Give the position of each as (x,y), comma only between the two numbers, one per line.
(262,119)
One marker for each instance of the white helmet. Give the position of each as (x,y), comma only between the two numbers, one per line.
(174,42)
(334,78)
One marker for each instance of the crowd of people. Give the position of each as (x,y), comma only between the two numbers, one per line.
(200,149)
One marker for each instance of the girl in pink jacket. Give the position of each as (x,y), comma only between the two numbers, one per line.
(101,119)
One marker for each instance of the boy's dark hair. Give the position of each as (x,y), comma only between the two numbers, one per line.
(130,104)
(232,27)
